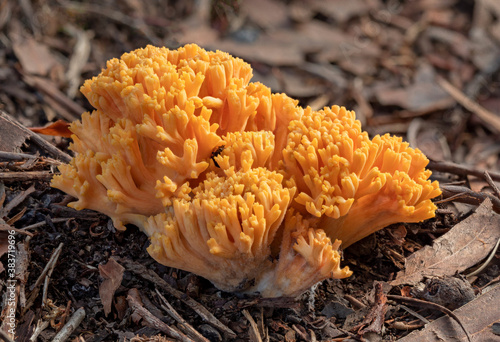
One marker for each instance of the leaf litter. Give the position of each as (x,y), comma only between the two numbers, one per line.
(395,63)
(466,244)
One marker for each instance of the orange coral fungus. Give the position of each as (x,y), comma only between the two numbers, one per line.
(230,181)
(356,185)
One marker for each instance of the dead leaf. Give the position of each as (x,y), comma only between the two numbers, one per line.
(268,14)
(268,51)
(112,272)
(476,316)
(121,306)
(309,37)
(485,51)
(11,135)
(406,291)
(300,12)
(398,234)
(59,128)
(35,57)
(316,35)
(336,309)
(450,292)
(456,41)
(134,295)
(462,247)
(341,11)
(296,87)
(486,14)
(202,35)
(290,336)
(423,95)
(374,321)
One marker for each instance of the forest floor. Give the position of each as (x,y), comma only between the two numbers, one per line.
(424,70)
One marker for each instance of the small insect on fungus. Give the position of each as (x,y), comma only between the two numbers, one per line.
(215,153)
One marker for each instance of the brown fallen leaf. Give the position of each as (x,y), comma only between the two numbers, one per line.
(476,316)
(59,128)
(121,306)
(202,35)
(423,95)
(35,57)
(112,272)
(463,246)
(11,135)
(315,35)
(341,11)
(398,235)
(267,14)
(374,320)
(270,52)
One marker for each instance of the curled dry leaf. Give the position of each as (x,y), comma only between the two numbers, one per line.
(450,292)
(112,272)
(59,128)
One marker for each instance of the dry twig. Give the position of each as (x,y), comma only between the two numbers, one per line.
(487,261)
(154,321)
(354,302)
(42,143)
(79,58)
(492,183)
(492,120)
(22,265)
(461,170)
(40,326)
(413,313)
(149,275)
(6,227)
(13,156)
(254,331)
(69,327)
(405,326)
(280,302)
(5,337)
(18,199)
(42,223)
(26,176)
(466,195)
(47,271)
(188,329)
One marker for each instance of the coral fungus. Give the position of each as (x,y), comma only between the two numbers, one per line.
(230,181)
